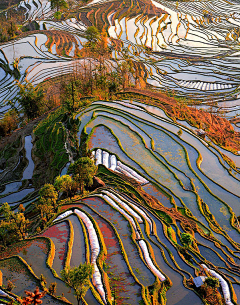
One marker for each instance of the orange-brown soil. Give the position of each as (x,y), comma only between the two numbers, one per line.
(186,223)
(218,129)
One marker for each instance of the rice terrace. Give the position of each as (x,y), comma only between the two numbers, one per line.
(120,152)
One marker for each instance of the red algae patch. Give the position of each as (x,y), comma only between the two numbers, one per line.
(59,234)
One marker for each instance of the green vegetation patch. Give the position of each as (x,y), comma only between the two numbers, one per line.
(164,216)
(118,183)
(49,148)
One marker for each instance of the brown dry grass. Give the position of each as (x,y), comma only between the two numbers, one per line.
(218,129)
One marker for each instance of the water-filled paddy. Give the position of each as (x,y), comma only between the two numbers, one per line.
(195,54)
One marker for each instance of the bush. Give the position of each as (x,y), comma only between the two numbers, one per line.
(57,15)
(180,132)
(186,239)
(43,280)
(53,288)
(212,282)
(10,286)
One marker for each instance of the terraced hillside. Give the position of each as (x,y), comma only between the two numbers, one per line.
(159,185)
(186,46)
(165,205)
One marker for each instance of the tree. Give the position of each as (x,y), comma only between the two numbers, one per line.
(113,82)
(4,234)
(21,208)
(45,210)
(103,53)
(31,100)
(9,122)
(6,211)
(212,282)
(13,227)
(20,224)
(65,184)
(72,95)
(125,69)
(47,202)
(57,15)
(59,4)
(186,239)
(48,195)
(83,171)
(92,35)
(78,278)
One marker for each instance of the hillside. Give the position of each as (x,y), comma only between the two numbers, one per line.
(120,152)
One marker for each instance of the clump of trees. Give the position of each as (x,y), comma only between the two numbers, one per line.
(11,20)
(9,122)
(9,29)
(59,4)
(47,202)
(33,100)
(14,225)
(78,278)
(96,75)
(72,91)
(66,184)
(209,291)
(82,172)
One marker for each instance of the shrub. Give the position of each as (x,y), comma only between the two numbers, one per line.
(212,282)
(10,286)
(186,239)
(78,278)
(53,288)
(180,132)
(43,280)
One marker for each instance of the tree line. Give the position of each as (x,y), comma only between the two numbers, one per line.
(15,226)
(95,74)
